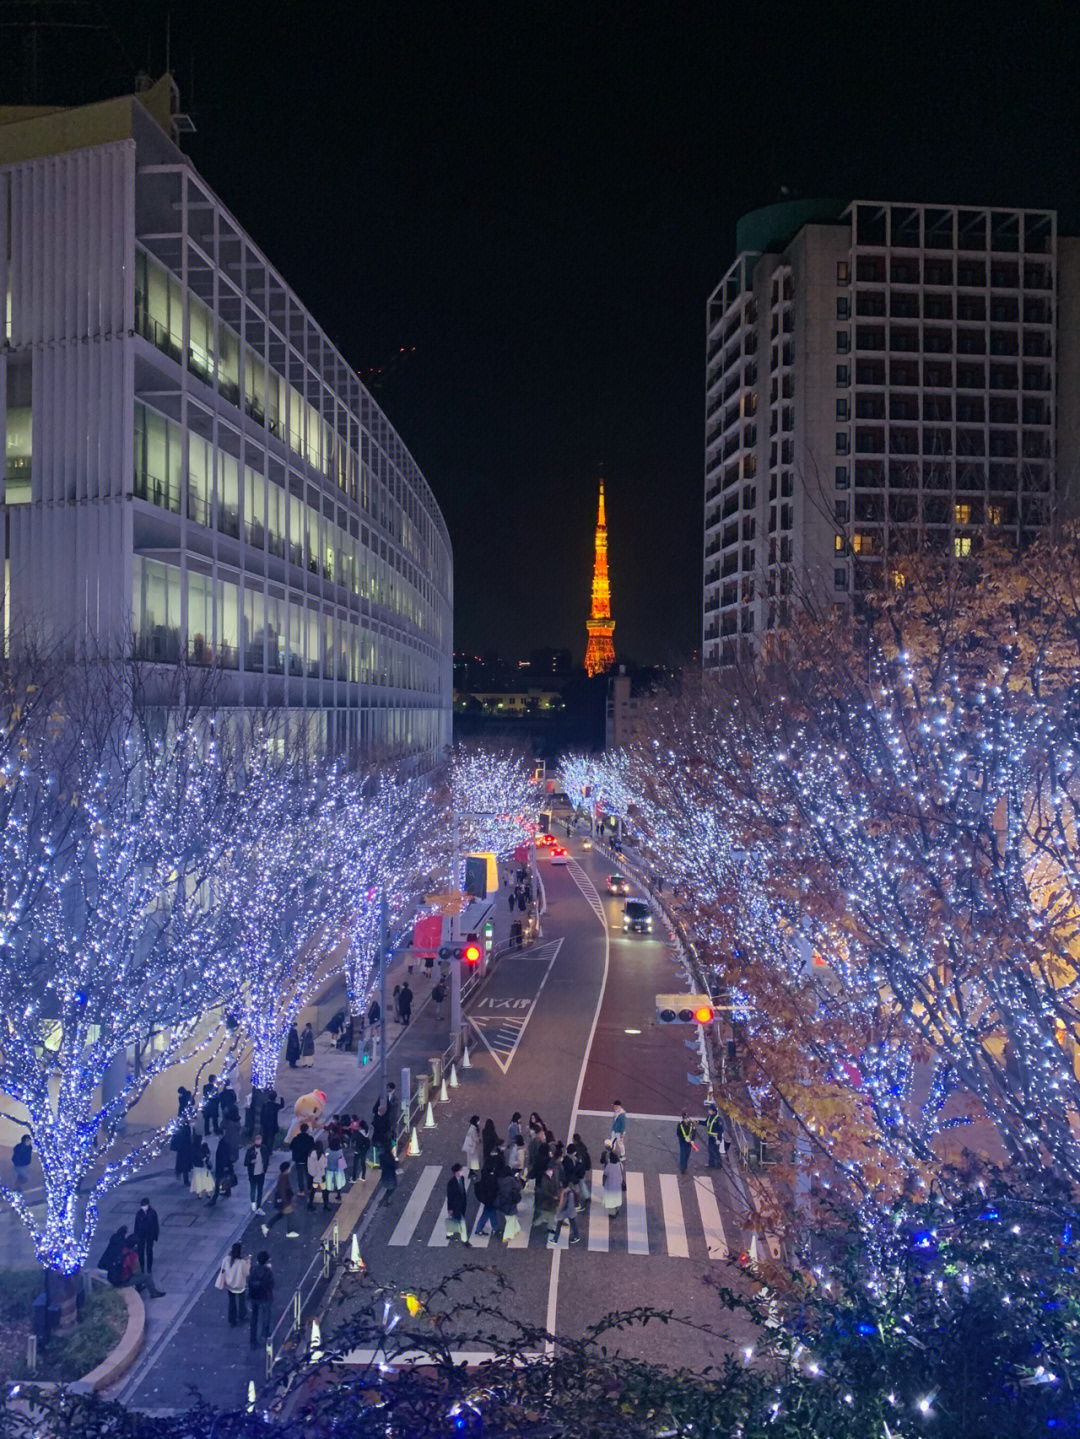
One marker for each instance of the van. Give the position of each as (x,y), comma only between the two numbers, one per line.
(636,916)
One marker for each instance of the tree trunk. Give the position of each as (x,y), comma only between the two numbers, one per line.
(62,1293)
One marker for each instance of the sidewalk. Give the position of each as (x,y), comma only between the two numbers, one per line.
(190,1347)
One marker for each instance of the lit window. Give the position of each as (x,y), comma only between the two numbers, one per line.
(962,514)
(838,543)
(862,544)
(962,546)
(843,272)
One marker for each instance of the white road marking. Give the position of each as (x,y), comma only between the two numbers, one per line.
(410,1215)
(637,1229)
(499,1051)
(674,1224)
(598,1218)
(715,1238)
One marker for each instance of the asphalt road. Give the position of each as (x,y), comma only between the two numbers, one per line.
(553,1030)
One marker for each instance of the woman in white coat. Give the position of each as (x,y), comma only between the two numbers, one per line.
(473,1147)
(612,1182)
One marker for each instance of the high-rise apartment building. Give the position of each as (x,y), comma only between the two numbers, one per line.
(191,468)
(880,378)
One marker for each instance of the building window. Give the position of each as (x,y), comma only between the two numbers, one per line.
(840,579)
(843,477)
(962,546)
(995,514)
(843,375)
(843,409)
(843,342)
(842,442)
(842,512)
(843,307)
(962,513)
(838,543)
(843,272)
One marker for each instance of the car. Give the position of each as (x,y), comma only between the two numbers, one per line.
(636,916)
(544,841)
(586,844)
(618,884)
(559,855)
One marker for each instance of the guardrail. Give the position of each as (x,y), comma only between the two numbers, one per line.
(317,1272)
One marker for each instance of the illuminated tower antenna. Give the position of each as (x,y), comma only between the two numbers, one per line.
(600,652)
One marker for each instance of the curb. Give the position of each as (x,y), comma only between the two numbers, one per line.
(119,1361)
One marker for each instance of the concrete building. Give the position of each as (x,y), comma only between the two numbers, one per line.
(880,378)
(192,469)
(620,711)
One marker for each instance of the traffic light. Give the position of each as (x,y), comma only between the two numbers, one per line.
(684,1009)
(472,950)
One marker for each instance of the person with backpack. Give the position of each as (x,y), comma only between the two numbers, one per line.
(233,1277)
(684,1132)
(260,1296)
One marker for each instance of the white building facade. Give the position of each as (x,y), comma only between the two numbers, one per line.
(191,468)
(880,378)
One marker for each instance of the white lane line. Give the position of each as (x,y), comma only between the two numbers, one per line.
(598,1219)
(637,1228)
(438,1238)
(674,1224)
(581,879)
(606,1114)
(410,1215)
(711,1223)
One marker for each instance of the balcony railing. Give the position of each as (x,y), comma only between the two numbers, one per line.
(163,493)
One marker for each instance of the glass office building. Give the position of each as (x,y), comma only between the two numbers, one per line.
(192,470)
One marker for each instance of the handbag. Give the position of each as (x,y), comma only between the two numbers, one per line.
(219,1282)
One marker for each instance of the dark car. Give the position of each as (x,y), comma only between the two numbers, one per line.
(618,884)
(636,916)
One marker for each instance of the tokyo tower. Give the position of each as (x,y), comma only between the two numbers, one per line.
(600,652)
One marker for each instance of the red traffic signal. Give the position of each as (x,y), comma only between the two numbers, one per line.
(704,1014)
(472,951)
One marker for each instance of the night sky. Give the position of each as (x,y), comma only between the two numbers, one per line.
(535,200)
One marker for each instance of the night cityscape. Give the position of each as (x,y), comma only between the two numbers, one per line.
(539,721)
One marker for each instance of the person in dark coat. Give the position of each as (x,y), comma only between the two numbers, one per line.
(224,1174)
(405,999)
(489,1139)
(260,1296)
(300,1147)
(210,1108)
(457,1201)
(292,1046)
(185,1146)
(307,1047)
(146,1230)
(183,1099)
(389,1167)
(268,1118)
(374,1014)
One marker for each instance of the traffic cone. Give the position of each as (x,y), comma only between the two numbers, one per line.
(453,1077)
(443,1096)
(755,1256)
(356,1264)
(251,1396)
(414,1144)
(315,1347)
(429,1118)
(466,1062)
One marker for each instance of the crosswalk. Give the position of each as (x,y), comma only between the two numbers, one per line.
(671,1215)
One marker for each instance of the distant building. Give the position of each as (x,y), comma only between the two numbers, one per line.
(191,467)
(880,378)
(550,662)
(622,710)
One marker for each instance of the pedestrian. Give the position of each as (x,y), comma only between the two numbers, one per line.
(374,1014)
(612,1181)
(583,1168)
(511,896)
(684,1132)
(146,1230)
(251,1112)
(380,1126)
(347,1038)
(405,999)
(292,1046)
(233,1276)
(268,1119)
(714,1134)
(565,1213)
(210,1108)
(307,1047)
(389,1166)
(255,1164)
(183,1101)
(120,1262)
(396,1004)
(202,1171)
(227,1095)
(361,1142)
(260,1297)
(487,1195)
(490,1139)
(472,1146)
(300,1148)
(457,1201)
(438,1001)
(230,1124)
(507,1200)
(316,1168)
(224,1173)
(182,1145)
(282,1201)
(393,1107)
(618,1129)
(547,1198)
(335,1167)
